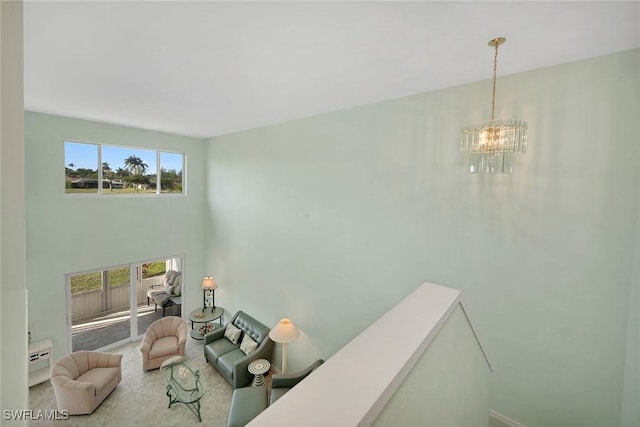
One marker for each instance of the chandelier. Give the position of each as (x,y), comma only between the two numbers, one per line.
(489,146)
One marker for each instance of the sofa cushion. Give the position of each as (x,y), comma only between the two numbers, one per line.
(227,361)
(248,345)
(164,346)
(162,299)
(217,348)
(232,333)
(101,378)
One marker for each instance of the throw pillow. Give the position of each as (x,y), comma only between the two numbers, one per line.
(177,285)
(170,277)
(248,345)
(232,333)
(168,289)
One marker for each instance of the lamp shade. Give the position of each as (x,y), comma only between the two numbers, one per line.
(209,283)
(284,332)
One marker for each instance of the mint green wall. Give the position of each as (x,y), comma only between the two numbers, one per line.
(331,220)
(453,364)
(631,394)
(70,234)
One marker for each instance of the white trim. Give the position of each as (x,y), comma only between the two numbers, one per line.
(484,353)
(134,278)
(100,192)
(504,419)
(135,274)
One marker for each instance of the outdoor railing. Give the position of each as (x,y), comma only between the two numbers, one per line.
(87,304)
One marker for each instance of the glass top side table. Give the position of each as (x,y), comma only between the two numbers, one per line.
(183,384)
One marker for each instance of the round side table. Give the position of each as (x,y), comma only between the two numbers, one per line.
(203,318)
(258,368)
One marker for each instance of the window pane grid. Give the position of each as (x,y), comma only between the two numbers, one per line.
(100,169)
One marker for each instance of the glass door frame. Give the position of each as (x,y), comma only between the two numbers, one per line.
(135,274)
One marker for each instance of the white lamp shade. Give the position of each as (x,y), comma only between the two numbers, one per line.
(284,332)
(209,283)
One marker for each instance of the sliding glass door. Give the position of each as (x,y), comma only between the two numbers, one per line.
(101,303)
(100,308)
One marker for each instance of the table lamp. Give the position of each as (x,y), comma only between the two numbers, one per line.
(284,332)
(208,284)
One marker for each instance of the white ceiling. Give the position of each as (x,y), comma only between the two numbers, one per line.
(209,68)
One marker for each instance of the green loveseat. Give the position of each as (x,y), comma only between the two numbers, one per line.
(228,358)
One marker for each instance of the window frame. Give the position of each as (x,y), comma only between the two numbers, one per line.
(158,171)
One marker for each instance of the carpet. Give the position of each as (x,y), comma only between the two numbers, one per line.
(140,399)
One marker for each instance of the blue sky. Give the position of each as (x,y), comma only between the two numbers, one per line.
(86,156)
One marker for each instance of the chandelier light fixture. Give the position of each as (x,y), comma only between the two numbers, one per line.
(489,146)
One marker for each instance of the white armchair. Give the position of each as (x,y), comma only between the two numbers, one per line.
(165,338)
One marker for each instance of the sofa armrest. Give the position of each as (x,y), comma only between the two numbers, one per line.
(290,380)
(285,380)
(114,360)
(214,335)
(145,347)
(182,337)
(241,374)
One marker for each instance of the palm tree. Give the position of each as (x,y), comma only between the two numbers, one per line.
(121,173)
(69,170)
(106,172)
(137,167)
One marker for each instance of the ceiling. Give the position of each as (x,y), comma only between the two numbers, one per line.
(208,68)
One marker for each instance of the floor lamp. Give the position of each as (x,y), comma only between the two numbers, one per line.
(208,284)
(284,332)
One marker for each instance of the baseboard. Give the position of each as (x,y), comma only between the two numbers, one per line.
(275,370)
(504,419)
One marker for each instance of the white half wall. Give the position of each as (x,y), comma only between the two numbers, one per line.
(418,364)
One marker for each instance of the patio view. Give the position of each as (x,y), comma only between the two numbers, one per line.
(100,304)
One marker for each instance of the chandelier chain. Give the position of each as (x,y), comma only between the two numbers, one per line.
(495,72)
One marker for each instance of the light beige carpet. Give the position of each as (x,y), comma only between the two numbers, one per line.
(140,399)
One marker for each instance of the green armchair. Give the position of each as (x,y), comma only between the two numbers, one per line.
(282,383)
(248,402)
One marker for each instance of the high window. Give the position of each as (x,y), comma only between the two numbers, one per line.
(110,170)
